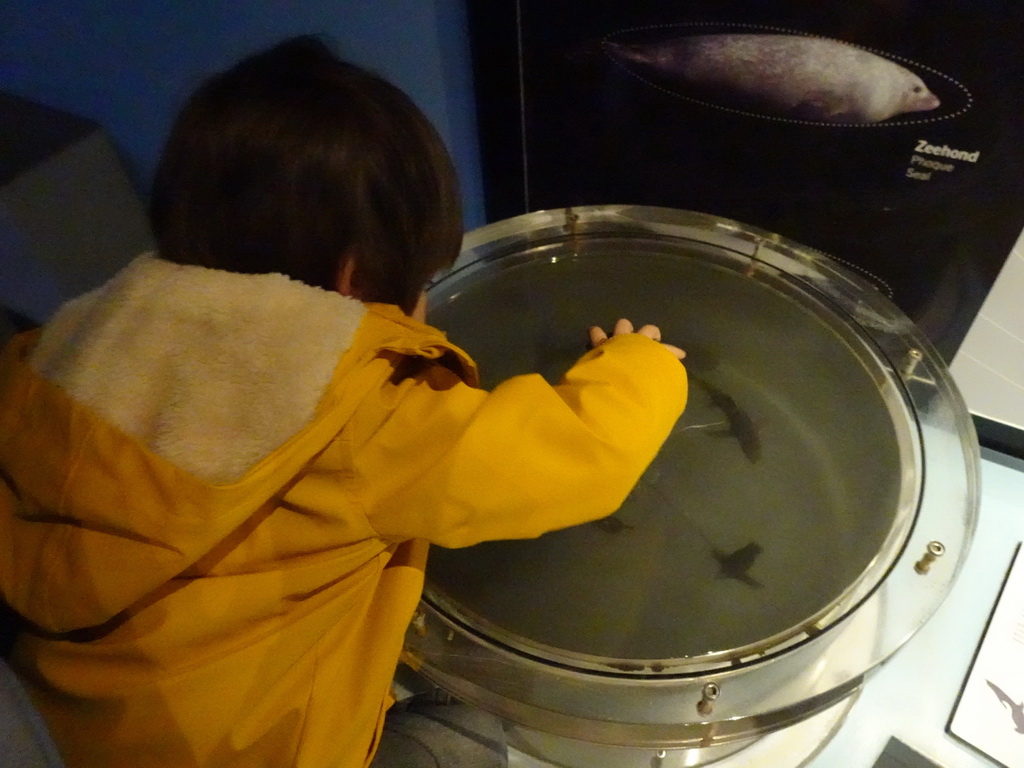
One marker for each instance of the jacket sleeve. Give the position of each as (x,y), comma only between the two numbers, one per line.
(457,465)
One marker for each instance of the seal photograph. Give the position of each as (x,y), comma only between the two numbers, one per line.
(785,75)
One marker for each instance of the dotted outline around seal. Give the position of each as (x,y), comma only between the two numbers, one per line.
(768,28)
(890,294)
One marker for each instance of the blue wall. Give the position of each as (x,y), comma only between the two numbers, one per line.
(129,65)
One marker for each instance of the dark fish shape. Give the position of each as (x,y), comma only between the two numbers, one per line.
(735,565)
(741,426)
(1016,710)
(611,525)
(795,76)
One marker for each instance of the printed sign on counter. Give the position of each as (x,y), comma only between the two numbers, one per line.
(989,715)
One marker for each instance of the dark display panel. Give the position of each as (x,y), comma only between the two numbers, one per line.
(886,133)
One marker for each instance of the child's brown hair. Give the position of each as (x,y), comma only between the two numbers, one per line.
(294,160)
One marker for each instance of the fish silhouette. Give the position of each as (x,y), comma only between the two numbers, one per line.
(735,565)
(611,524)
(741,426)
(1016,710)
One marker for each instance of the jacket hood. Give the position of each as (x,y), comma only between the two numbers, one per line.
(157,415)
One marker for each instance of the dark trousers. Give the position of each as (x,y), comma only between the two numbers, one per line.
(422,733)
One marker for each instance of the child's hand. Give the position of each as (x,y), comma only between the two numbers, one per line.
(597,335)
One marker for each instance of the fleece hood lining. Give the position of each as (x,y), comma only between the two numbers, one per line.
(211,370)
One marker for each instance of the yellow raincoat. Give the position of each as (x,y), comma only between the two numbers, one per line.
(252,614)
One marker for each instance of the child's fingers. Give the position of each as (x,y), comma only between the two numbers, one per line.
(651,332)
(654,332)
(622,325)
(597,335)
(679,353)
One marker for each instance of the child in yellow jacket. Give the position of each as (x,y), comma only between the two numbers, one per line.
(220,471)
